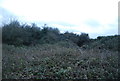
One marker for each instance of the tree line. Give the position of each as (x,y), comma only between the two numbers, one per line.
(16,34)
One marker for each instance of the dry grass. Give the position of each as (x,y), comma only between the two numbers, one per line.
(57,61)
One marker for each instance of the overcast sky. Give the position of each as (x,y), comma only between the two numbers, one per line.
(95,17)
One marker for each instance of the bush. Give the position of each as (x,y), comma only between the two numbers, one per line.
(18,35)
(83,39)
(71,36)
(106,42)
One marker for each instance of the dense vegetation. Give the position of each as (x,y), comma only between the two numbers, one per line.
(32,52)
(62,60)
(16,34)
(105,42)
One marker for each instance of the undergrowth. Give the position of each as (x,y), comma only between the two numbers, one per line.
(58,61)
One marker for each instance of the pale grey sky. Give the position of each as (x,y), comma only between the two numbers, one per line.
(95,17)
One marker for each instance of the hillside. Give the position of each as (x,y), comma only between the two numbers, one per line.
(104,42)
(31,52)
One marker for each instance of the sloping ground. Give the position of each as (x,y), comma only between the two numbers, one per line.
(106,42)
(58,61)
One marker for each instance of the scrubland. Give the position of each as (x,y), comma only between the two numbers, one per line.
(62,60)
(32,52)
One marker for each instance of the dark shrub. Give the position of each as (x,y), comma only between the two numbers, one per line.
(83,39)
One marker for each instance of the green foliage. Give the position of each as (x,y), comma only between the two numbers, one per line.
(83,39)
(71,36)
(11,33)
(56,61)
(16,34)
(56,55)
(49,35)
(106,42)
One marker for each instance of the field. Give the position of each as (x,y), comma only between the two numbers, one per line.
(62,60)
(32,52)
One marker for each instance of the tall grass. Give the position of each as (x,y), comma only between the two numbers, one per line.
(61,60)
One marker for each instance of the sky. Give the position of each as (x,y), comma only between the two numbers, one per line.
(95,17)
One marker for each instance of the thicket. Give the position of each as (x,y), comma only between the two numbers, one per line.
(56,55)
(16,34)
(105,42)
(110,42)
(58,61)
